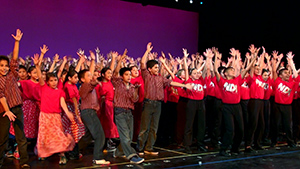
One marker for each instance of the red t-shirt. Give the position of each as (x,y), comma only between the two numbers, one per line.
(107,90)
(60,84)
(50,99)
(284,91)
(139,81)
(71,91)
(231,90)
(30,90)
(268,88)
(257,85)
(245,90)
(210,87)
(181,91)
(218,92)
(197,93)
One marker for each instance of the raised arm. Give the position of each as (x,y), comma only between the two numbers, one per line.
(55,60)
(80,62)
(218,58)
(243,73)
(37,64)
(92,66)
(162,59)
(119,65)
(145,56)
(62,66)
(44,50)
(290,60)
(64,106)
(17,38)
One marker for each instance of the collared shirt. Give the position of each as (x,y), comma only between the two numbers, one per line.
(88,96)
(9,87)
(124,97)
(154,85)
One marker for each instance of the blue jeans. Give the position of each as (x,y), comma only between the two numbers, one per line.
(93,130)
(18,125)
(124,122)
(149,124)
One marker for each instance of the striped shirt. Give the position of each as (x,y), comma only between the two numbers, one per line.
(154,85)
(9,87)
(88,96)
(124,98)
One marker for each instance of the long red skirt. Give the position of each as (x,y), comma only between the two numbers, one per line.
(107,120)
(51,137)
(76,129)
(31,111)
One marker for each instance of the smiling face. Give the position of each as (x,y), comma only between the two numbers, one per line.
(73,79)
(22,74)
(285,75)
(107,75)
(4,67)
(126,76)
(33,75)
(134,72)
(154,70)
(52,82)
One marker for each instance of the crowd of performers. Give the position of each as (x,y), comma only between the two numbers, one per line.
(66,103)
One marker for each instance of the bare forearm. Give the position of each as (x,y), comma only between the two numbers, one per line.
(4,104)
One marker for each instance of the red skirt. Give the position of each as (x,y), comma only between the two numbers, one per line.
(51,137)
(107,120)
(76,129)
(31,111)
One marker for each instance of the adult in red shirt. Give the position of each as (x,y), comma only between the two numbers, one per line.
(232,113)
(284,88)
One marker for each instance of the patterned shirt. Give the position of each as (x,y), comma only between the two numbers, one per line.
(9,87)
(124,97)
(88,96)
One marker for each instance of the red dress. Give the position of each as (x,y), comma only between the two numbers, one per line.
(76,129)
(31,109)
(107,110)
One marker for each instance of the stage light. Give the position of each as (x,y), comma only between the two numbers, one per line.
(191,1)
(176,0)
(201,3)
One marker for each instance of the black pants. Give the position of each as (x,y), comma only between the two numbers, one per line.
(194,107)
(217,121)
(267,111)
(256,123)
(181,115)
(296,119)
(283,112)
(18,125)
(234,127)
(210,114)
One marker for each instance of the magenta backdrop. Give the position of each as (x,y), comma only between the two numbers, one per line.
(66,25)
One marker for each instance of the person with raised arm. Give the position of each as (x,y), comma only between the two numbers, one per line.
(51,137)
(231,109)
(154,94)
(89,106)
(11,102)
(285,86)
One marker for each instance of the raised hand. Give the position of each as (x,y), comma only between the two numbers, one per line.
(44,49)
(193,57)
(125,52)
(248,56)
(56,58)
(267,56)
(208,53)
(171,57)
(162,59)
(214,49)
(252,48)
(280,56)
(80,51)
(290,55)
(114,54)
(232,52)
(36,59)
(149,47)
(18,35)
(163,54)
(93,56)
(230,59)
(264,50)
(65,59)
(275,54)
(185,53)
(178,60)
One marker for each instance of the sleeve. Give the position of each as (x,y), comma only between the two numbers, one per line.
(132,90)
(71,92)
(166,81)
(14,66)
(85,89)
(62,94)
(145,73)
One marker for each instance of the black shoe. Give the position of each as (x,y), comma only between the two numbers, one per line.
(292,145)
(249,150)
(258,148)
(188,150)
(266,142)
(202,148)
(224,153)
(235,152)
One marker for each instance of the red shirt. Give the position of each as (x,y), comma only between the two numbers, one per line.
(197,93)
(30,90)
(60,84)
(231,90)
(268,88)
(284,91)
(71,91)
(107,90)
(245,91)
(257,85)
(50,99)
(181,91)
(139,80)
(218,92)
(210,87)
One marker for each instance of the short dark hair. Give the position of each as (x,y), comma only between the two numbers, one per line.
(133,66)
(81,74)
(221,69)
(179,72)
(191,70)
(22,67)
(264,70)
(151,63)
(30,69)
(2,57)
(281,70)
(49,75)
(123,70)
(226,69)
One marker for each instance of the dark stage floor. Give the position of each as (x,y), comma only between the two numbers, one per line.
(170,157)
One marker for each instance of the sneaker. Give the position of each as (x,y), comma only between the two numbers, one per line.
(9,154)
(25,166)
(63,160)
(111,146)
(101,162)
(17,155)
(151,152)
(136,160)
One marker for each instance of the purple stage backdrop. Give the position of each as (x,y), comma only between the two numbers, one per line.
(66,25)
